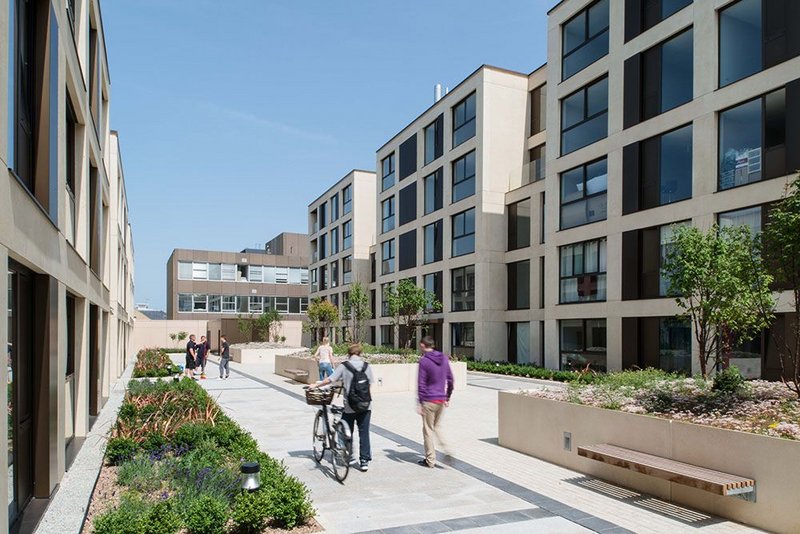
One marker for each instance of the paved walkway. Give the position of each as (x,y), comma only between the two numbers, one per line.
(486,489)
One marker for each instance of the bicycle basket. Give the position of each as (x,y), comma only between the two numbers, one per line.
(319,397)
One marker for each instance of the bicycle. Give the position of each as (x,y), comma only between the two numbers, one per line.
(330,432)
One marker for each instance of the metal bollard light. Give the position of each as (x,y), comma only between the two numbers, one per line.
(251,476)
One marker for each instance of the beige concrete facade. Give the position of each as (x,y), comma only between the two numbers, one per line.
(329,247)
(518,160)
(66,240)
(206,284)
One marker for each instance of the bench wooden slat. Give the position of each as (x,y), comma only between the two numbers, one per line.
(681,473)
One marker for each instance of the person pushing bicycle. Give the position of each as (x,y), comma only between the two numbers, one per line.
(356,376)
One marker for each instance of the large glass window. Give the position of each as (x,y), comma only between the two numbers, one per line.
(464,177)
(539,109)
(752,141)
(347,235)
(584,116)
(387,257)
(387,172)
(334,207)
(666,243)
(323,217)
(654,11)
(667,75)
(463,339)
(583,194)
(537,162)
(323,246)
(519,285)
(184,303)
(463,288)
(387,215)
(334,241)
(583,344)
(228,304)
(519,342)
(334,274)
(519,224)
(675,345)
(463,227)
(228,272)
(385,290)
(434,191)
(214,303)
(740,41)
(464,120)
(433,242)
(214,271)
(432,283)
(184,270)
(199,271)
(347,199)
(583,272)
(255,273)
(199,303)
(347,269)
(584,39)
(434,139)
(750,217)
(256,304)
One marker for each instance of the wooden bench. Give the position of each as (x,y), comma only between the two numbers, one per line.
(709,480)
(297,373)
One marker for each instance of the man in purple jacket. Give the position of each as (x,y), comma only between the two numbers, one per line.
(434,388)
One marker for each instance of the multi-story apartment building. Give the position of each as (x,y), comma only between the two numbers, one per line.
(671,113)
(66,240)
(341,230)
(441,182)
(207,284)
(662,113)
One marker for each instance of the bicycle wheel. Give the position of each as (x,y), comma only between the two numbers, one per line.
(319,437)
(341,451)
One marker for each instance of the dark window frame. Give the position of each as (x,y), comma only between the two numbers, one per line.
(466,178)
(388,260)
(437,179)
(347,199)
(407,250)
(588,39)
(388,219)
(538,104)
(512,228)
(407,209)
(436,277)
(347,237)
(437,228)
(436,130)
(388,172)
(585,197)
(464,122)
(585,343)
(462,233)
(467,292)
(586,118)
(513,300)
(584,271)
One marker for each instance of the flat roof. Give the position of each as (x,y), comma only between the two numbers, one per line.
(336,184)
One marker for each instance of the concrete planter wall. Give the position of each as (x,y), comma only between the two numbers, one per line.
(389,377)
(536,427)
(260,356)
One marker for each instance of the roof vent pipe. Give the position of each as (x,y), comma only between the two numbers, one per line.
(437,92)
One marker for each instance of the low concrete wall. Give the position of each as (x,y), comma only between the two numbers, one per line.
(156,333)
(536,427)
(262,356)
(389,377)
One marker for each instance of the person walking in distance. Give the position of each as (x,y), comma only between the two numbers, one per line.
(201,349)
(191,357)
(356,374)
(324,356)
(224,358)
(434,388)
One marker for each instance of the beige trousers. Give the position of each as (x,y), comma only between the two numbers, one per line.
(431,415)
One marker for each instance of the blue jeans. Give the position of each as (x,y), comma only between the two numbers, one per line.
(325,370)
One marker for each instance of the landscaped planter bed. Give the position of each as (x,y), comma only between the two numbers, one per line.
(390,377)
(172,465)
(535,423)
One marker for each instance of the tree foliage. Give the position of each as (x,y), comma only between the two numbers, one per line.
(719,280)
(356,310)
(781,238)
(409,305)
(267,324)
(322,314)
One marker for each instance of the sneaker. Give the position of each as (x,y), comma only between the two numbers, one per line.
(203,376)
(424,463)
(227,377)
(364,466)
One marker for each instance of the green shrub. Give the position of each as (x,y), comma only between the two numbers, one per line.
(206,515)
(529,371)
(250,512)
(288,503)
(163,518)
(729,381)
(638,379)
(127,412)
(191,434)
(119,449)
(225,433)
(204,455)
(128,518)
(139,473)
(154,441)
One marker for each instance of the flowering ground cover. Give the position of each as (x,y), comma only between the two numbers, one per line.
(727,401)
(370,353)
(173,461)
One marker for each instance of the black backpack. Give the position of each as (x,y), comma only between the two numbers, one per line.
(358,397)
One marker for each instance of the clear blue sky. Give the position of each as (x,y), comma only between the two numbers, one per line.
(234,115)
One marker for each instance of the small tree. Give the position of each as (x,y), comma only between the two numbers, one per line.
(179,336)
(322,314)
(245,325)
(266,324)
(719,280)
(409,305)
(781,239)
(356,310)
